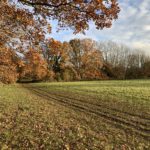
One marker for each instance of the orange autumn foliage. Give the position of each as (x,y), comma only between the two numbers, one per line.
(77,13)
(86,59)
(56,54)
(34,66)
(8,66)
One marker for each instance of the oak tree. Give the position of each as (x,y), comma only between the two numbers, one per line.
(76,13)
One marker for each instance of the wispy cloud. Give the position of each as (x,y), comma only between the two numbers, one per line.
(131,28)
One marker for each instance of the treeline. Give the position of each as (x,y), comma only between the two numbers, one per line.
(123,62)
(75,60)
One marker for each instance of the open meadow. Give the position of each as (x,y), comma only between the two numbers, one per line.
(74,75)
(95,115)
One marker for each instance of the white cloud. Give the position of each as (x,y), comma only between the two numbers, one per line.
(147,27)
(141,45)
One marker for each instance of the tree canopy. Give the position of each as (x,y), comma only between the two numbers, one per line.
(76,13)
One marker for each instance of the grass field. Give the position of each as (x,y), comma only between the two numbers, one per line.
(95,115)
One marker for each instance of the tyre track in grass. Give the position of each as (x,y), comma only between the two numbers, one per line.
(144,116)
(142,120)
(108,110)
(136,127)
(136,117)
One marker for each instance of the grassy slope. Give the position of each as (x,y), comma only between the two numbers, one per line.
(28,120)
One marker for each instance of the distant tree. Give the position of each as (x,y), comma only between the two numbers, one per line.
(125,63)
(75,55)
(34,67)
(55,53)
(86,59)
(146,68)
(138,65)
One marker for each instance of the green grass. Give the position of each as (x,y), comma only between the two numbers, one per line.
(136,92)
(76,115)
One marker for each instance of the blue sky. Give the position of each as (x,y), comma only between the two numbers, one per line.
(131,28)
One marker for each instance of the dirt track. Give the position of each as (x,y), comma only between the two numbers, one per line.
(128,121)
